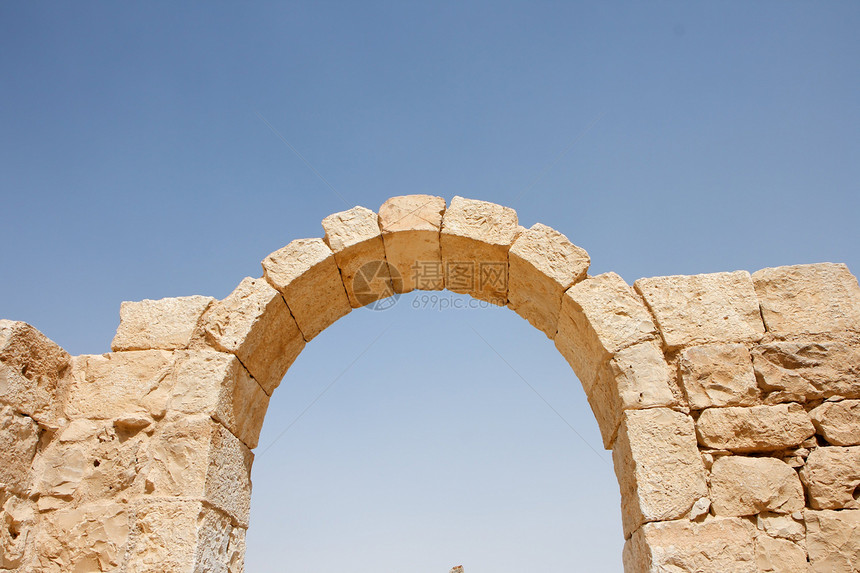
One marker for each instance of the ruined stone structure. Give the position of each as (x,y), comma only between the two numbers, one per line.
(731,401)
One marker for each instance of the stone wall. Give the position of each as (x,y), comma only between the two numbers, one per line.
(730,401)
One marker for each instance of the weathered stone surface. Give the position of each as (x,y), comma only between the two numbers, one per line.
(781,525)
(832,477)
(658,466)
(93,537)
(754,429)
(807,369)
(811,299)
(747,486)
(356,241)
(19,436)
(600,316)
(410,226)
(17,532)
(32,371)
(543,264)
(163,324)
(833,540)
(722,545)
(718,375)
(307,275)
(475,238)
(699,309)
(254,323)
(779,556)
(838,422)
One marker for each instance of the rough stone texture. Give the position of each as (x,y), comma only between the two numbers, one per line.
(599,317)
(254,323)
(17,532)
(815,298)
(543,264)
(659,469)
(19,436)
(833,540)
(832,477)
(163,324)
(779,555)
(781,525)
(722,545)
(698,309)
(307,275)
(410,227)
(838,422)
(747,486)
(93,537)
(718,375)
(475,238)
(754,429)
(356,241)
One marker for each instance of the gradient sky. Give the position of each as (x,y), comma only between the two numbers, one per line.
(137,161)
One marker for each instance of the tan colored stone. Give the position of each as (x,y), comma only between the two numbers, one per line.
(93,537)
(19,436)
(838,422)
(810,299)
(658,466)
(543,264)
(832,477)
(781,525)
(17,532)
(32,372)
(307,275)
(803,370)
(722,545)
(779,556)
(833,540)
(254,323)
(475,239)
(700,309)
(410,227)
(718,375)
(754,429)
(356,241)
(164,324)
(747,486)
(600,316)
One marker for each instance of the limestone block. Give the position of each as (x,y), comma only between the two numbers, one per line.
(781,525)
(722,545)
(832,477)
(747,486)
(32,371)
(163,324)
(779,556)
(718,375)
(659,469)
(17,532)
(216,383)
(236,551)
(600,316)
(815,298)
(754,429)
(637,377)
(19,436)
(356,241)
(193,457)
(543,264)
(475,238)
(254,323)
(808,369)
(410,227)
(699,309)
(120,384)
(93,537)
(833,540)
(838,422)
(306,274)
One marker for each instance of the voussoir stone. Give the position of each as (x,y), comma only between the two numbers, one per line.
(356,240)
(832,477)
(818,298)
(833,540)
(718,375)
(475,238)
(163,324)
(754,429)
(838,422)
(543,264)
(746,486)
(255,324)
(410,226)
(307,275)
(701,309)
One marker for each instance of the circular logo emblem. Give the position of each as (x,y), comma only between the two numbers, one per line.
(377,285)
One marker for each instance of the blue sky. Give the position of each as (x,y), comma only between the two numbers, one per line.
(665,138)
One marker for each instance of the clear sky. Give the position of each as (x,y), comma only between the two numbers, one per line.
(137,161)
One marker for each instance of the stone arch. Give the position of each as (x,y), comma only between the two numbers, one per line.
(731,401)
